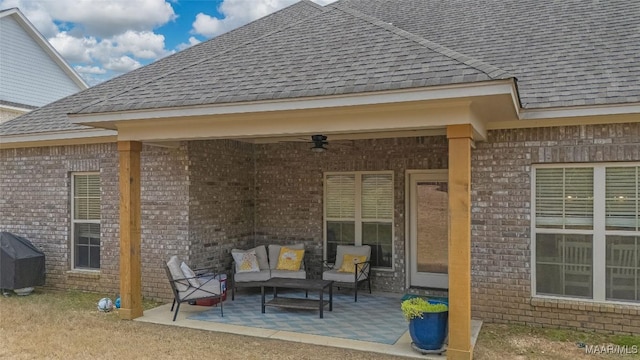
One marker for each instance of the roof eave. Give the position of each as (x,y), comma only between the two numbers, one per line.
(446,92)
(58,138)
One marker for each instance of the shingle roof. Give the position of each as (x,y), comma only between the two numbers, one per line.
(53,117)
(339,51)
(563,53)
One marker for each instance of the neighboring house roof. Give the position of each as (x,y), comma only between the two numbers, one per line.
(10,104)
(346,48)
(32,73)
(563,53)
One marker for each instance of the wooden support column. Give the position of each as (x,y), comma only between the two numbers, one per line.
(130,261)
(460,143)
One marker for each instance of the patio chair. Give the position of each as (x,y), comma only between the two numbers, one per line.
(187,286)
(350,268)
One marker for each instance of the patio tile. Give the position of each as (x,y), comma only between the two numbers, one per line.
(208,318)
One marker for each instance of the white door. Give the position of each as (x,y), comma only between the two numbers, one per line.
(429,229)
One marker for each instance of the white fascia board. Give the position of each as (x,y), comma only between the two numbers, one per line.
(15,108)
(579,111)
(56,136)
(48,48)
(488,88)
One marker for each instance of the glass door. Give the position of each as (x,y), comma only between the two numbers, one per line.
(429,229)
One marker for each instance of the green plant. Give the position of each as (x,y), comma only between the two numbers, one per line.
(416,307)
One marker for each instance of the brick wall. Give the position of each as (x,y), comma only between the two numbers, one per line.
(221,208)
(289,190)
(165,215)
(35,187)
(501,223)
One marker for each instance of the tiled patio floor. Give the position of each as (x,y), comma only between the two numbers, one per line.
(384,333)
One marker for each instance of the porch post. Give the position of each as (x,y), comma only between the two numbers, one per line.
(130,262)
(460,142)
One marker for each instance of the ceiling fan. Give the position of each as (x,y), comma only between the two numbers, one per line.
(319,142)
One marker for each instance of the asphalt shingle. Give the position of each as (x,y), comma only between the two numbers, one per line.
(53,117)
(563,53)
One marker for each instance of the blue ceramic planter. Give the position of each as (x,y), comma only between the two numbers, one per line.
(429,332)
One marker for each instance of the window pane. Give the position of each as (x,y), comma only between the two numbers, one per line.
(564,198)
(432,221)
(94,257)
(82,256)
(340,193)
(377,196)
(87,249)
(564,265)
(623,265)
(339,233)
(378,236)
(86,197)
(623,198)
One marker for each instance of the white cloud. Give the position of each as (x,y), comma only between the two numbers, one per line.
(103,37)
(239,12)
(99,18)
(122,64)
(94,70)
(74,49)
(145,44)
(192,41)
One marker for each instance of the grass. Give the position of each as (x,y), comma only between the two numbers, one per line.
(497,341)
(67,325)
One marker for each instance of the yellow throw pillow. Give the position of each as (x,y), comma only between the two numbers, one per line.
(290,259)
(349,261)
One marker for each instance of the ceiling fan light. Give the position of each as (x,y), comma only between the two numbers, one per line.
(319,141)
(318,148)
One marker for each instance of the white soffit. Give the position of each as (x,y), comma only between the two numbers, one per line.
(450,92)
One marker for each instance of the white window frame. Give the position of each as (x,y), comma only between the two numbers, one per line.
(358,212)
(74,222)
(598,232)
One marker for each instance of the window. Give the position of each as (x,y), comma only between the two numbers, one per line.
(359,211)
(86,220)
(587,231)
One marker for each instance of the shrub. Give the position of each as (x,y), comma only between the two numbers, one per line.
(416,307)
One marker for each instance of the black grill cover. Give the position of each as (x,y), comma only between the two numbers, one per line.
(21,263)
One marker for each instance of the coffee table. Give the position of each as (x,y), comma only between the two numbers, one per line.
(298,303)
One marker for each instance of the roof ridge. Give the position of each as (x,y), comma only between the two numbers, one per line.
(492,71)
(194,63)
(309,2)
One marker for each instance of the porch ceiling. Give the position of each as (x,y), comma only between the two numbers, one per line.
(413,112)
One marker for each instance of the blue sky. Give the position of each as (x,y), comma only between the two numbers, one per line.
(105,38)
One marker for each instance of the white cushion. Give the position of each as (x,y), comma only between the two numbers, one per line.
(274,254)
(246,260)
(338,276)
(288,274)
(261,255)
(176,273)
(189,274)
(262,275)
(342,250)
(210,288)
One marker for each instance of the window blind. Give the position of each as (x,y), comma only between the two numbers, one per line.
(564,198)
(377,196)
(87,197)
(341,194)
(622,198)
